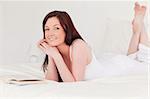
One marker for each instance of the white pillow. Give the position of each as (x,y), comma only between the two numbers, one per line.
(26,70)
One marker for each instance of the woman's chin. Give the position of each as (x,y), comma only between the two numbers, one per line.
(53,44)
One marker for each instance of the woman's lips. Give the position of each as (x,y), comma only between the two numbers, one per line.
(52,38)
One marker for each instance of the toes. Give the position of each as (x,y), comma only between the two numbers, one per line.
(143,10)
(143,7)
(137,6)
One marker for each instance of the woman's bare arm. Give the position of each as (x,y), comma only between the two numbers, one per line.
(51,73)
(79,62)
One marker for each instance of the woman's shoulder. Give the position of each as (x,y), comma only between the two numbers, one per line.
(79,42)
(81,45)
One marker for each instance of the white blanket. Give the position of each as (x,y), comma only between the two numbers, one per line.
(133,85)
(128,86)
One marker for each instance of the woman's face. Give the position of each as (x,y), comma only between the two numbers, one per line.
(54,32)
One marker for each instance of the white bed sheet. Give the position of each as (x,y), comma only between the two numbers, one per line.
(127,86)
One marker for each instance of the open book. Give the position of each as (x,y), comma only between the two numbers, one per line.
(25,80)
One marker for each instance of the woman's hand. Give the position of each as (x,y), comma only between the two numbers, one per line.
(47,49)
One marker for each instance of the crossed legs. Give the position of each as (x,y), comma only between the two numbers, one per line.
(139,34)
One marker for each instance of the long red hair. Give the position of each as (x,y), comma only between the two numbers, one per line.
(68,26)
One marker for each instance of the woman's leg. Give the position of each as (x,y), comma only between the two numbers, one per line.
(144,37)
(138,25)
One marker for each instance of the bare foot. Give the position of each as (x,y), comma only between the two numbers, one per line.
(138,18)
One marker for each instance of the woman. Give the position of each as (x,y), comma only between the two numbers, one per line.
(68,55)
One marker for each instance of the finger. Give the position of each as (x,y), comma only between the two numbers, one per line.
(45,45)
(39,43)
(42,40)
(42,48)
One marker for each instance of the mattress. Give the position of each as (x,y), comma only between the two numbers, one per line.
(132,86)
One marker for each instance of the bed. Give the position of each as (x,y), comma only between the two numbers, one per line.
(111,37)
(131,86)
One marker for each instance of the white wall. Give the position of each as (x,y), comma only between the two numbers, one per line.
(1,31)
(23,24)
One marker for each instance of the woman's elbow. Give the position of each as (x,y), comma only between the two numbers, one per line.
(77,79)
(51,78)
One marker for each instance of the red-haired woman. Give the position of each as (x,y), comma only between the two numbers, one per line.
(68,55)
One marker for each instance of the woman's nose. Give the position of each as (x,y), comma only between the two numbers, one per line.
(50,35)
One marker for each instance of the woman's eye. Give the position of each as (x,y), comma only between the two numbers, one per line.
(56,28)
(46,29)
